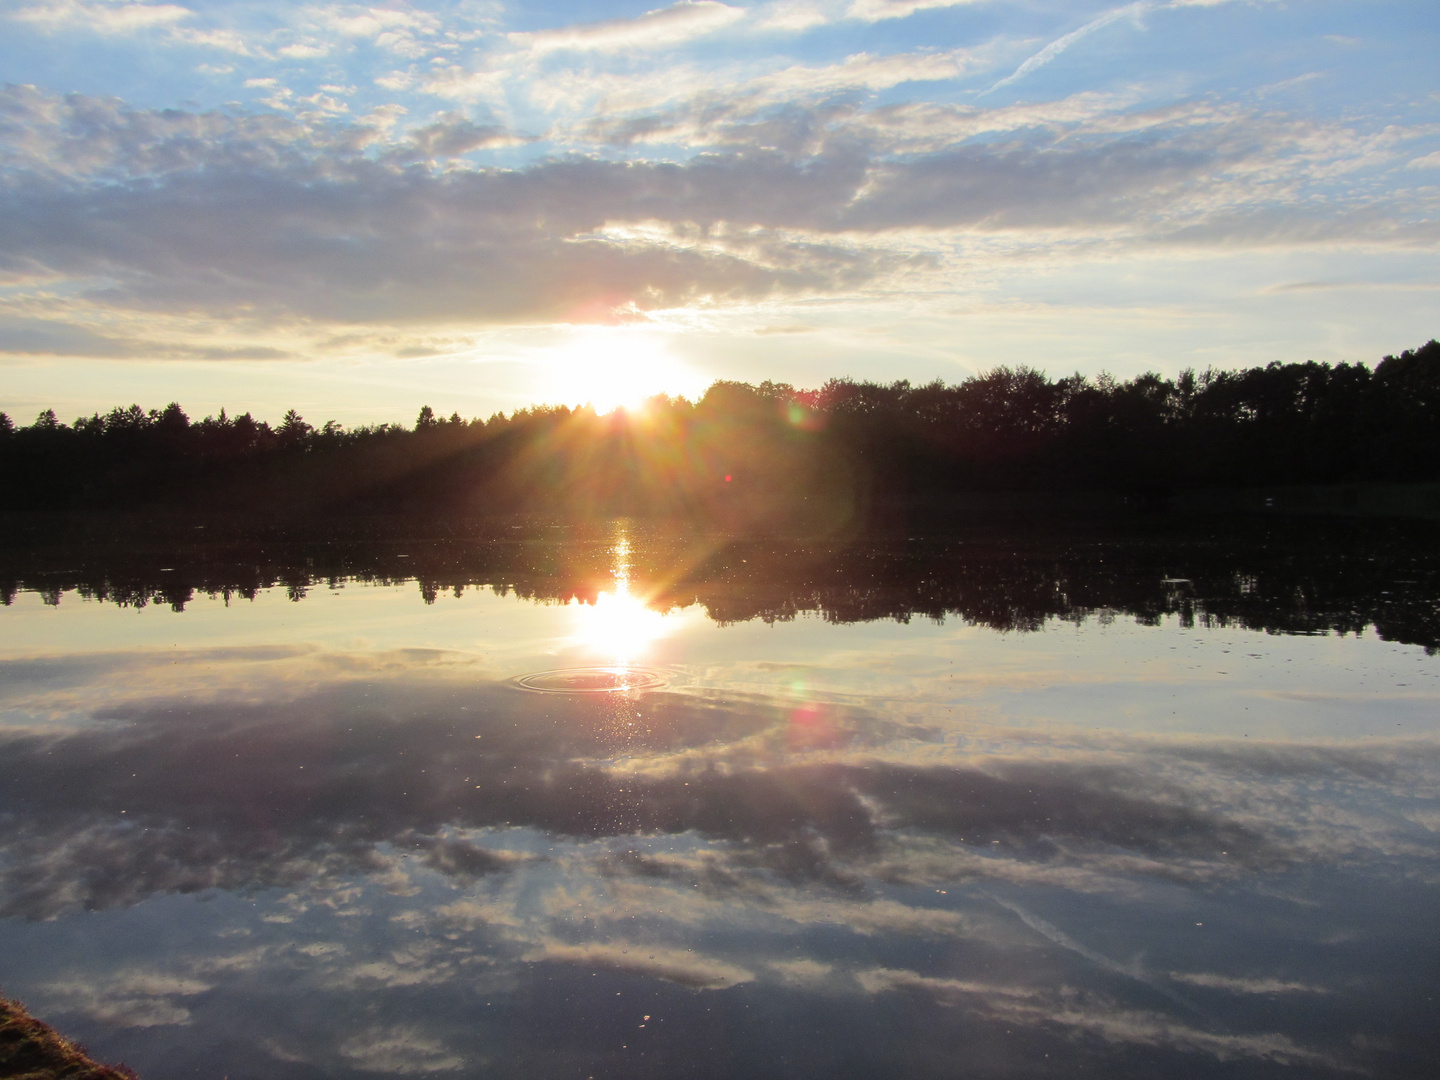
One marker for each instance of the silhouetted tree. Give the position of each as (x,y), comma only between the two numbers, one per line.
(848,452)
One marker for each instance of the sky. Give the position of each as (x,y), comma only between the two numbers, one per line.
(355,210)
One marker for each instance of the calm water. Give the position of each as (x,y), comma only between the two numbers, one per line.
(619,805)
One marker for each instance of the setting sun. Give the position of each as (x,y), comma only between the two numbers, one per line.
(615,367)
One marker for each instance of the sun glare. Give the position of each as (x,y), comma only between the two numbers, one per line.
(613,367)
(619,627)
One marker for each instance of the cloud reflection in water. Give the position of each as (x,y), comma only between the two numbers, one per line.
(690,841)
(344,860)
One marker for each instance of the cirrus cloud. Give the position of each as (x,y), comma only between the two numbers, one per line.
(680,22)
(99,17)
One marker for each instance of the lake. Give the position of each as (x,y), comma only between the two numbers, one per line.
(1032,800)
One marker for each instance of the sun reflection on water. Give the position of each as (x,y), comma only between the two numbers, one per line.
(619,626)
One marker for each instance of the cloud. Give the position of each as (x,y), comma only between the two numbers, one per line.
(803,972)
(99,18)
(407,31)
(1020,186)
(1092,1015)
(1241,985)
(311,220)
(157,812)
(885,980)
(797,16)
(1144,1028)
(791,16)
(673,25)
(879,10)
(374,22)
(1059,45)
(401,1050)
(454,134)
(115,18)
(304,50)
(224,40)
(567,850)
(129,998)
(638,110)
(681,966)
(51,337)
(1057,936)
(354,241)
(1367,286)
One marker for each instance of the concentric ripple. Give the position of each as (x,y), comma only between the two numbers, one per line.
(591,680)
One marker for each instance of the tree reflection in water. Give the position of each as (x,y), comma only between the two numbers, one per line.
(411,865)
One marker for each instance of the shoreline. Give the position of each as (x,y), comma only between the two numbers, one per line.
(32,1049)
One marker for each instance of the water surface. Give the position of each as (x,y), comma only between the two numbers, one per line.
(629,805)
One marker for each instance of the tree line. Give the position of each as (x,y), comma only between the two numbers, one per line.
(742,454)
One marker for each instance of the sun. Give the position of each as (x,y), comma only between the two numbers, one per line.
(613,367)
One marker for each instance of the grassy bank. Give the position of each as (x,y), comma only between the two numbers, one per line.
(32,1050)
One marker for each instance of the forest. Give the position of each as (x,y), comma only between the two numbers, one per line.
(847,453)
